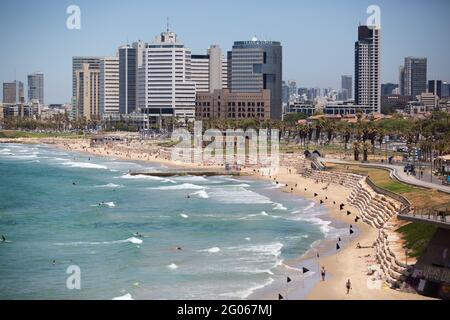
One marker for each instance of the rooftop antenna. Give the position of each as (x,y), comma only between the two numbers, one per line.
(167,24)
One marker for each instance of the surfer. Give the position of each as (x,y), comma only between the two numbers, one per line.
(137,234)
(3,238)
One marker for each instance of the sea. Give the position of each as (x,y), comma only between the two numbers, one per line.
(81,227)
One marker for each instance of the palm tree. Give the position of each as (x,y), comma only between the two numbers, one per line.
(356,150)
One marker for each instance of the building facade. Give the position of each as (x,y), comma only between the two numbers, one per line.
(87,97)
(256,65)
(415,70)
(109,85)
(127,79)
(435,87)
(36,87)
(233,105)
(367,68)
(77,64)
(347,84)
(13,92)
(165,85)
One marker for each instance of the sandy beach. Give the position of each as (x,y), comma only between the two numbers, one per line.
(348,263)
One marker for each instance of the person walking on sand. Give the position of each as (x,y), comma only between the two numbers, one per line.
(323,273)
(349,286)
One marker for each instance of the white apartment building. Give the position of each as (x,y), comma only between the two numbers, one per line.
(367,68)
(165,86)
(109,85)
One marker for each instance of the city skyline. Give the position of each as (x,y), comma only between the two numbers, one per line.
(294,33)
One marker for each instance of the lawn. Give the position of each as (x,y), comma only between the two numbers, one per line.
(417,236)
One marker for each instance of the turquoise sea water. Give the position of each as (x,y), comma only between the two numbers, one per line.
(234,232)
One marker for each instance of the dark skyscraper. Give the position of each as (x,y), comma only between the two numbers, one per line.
(127,79)
(257,65)
(415,76)
(435,87)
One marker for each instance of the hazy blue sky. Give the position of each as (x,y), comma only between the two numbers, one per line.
(317,35)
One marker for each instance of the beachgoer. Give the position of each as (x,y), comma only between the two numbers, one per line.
(323,273)
(348,285)
(358,246)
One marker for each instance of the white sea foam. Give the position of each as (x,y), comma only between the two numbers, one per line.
(85,165)
(84,243)
(184,186)
(109,185)
(263,213)
(243,294)
(201,194)
(310,206)
(172,266)
(124,297)
(278,206)
(248,238)
(237,195)
(211,250)
(144,177)
(184,216)
(191,178)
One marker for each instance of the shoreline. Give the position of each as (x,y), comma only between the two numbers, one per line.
(348,262)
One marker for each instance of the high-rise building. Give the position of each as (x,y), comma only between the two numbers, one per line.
(128,69)
(445,89)
(77,63)
(401,80)
(36,87)
(415,76)
(165,85)
(347,84)
(367,68)
(284,92)
(109,85)
(388,88)
(435,87)
(87,97)
(93,64)
(217,66)
(209,71)
(13,92)
(256,65)
(200,72)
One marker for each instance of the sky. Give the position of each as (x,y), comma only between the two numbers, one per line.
(317,36)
